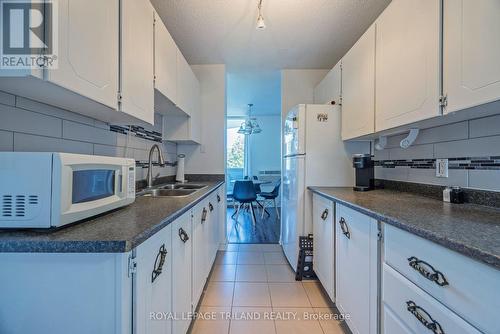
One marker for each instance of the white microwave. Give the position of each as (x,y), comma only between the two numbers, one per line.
(46,190)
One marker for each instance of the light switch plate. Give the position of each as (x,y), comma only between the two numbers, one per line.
(441,167)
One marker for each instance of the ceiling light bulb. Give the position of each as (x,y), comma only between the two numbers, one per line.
(260,22)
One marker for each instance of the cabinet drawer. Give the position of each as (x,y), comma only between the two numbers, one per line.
(403,302)
(471,288)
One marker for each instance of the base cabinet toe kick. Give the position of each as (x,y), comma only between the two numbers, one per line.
(387,280)
(152,289)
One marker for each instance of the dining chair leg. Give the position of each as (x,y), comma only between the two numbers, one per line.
(253,214)
(235,209)
(276,207)
(263,209)
(238,211)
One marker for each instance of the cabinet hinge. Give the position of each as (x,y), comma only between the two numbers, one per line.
(119,96)
(340,100)
(443,101)
(132,266)
(379,235)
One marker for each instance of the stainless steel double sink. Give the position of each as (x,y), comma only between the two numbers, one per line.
(172,190)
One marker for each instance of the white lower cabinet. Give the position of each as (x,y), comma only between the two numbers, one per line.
(200,249)
(323,217)
(182,245)
(152,289)
(62,293)
(153,283)
(466,288)
(408,309)
(356,268)
(205,243)
(213,218)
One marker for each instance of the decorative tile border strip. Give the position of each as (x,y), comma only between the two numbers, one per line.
(474,163)
(138,131)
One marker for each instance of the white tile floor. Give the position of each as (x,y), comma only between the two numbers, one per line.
(254,284)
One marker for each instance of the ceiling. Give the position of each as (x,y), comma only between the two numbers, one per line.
(300,33)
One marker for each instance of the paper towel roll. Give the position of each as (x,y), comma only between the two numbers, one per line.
(180,168)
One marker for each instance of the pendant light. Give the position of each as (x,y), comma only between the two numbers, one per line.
(250,125)
(260,19)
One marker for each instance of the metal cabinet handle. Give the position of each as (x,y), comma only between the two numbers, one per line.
(324,215)
(428,271)
(204,215)
(424,317)
(345,228)
(218,198)
(183,235)
(159,262)
(211,207)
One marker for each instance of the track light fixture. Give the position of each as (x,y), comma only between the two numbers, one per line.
(260,19)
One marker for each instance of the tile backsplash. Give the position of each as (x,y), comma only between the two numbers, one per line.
(472,147)
(27,125)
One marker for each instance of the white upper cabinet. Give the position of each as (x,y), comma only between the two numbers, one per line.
(328,90)
(88,49)
(471,53)
(358,87)
(165,62)
(137,89)
(195,121)
(184,84)
(407,63)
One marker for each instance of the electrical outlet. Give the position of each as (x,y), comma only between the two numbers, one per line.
(441,167)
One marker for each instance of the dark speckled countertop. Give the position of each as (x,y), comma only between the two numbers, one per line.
(471,230)
(114,232)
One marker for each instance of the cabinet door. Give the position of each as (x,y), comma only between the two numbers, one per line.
(356,268)
(200,249)
(471,52)
(323,260)
(184,82)
(196,117)
(221,229)
(407,63)
(358,87)
(328,90)
(182,243)
(88,49)
(153,283)
(165,61)
(137,89)
(213,216)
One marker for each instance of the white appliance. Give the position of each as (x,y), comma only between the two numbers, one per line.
(44,190)
(313,155)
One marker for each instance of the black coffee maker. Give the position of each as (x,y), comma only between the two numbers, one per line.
(365,174)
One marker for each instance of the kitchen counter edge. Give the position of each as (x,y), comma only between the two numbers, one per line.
(24,245)
(475,253)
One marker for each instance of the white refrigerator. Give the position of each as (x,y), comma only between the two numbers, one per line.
(313,155)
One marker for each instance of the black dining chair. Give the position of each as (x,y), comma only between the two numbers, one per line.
(271,196)
(244,194)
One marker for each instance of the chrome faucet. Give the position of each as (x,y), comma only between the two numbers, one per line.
(161,161)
